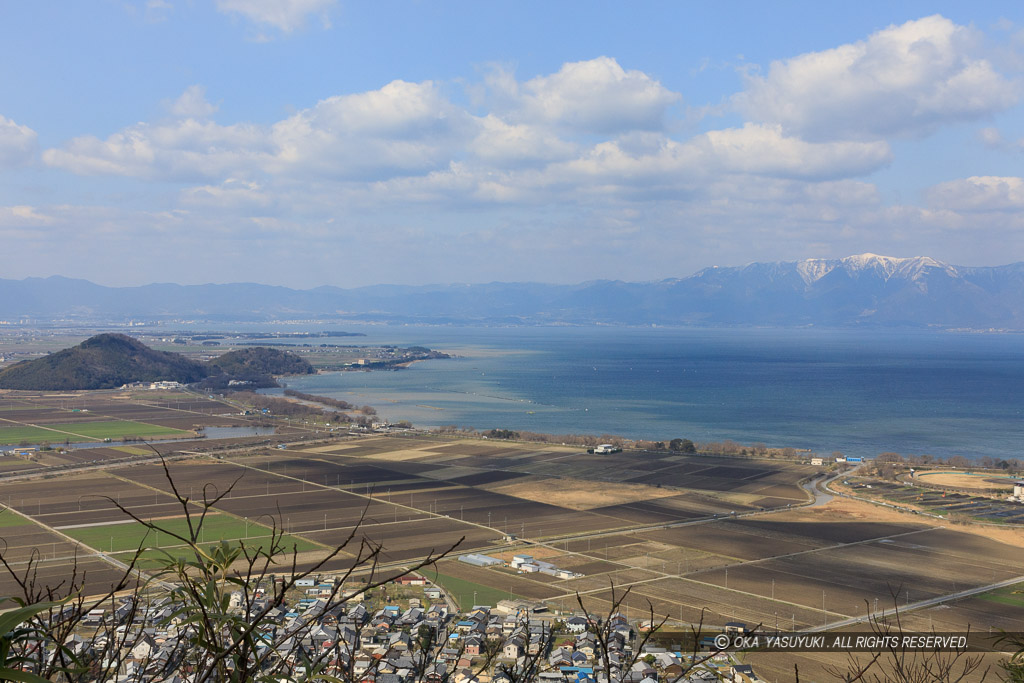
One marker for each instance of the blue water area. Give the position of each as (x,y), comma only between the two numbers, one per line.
(858,392)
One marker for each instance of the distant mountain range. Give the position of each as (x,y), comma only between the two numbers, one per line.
(863,290)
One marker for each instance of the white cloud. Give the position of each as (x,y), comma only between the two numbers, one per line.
(286,15)
(500,142)
(749,163)
(21,216)
(400,128)
(186,149)
(543,136)
(992,138)
(902,80)
(979,194)
(765,150)
(192,104)
(17,143)
(231,194)
(596,96)
(157,10)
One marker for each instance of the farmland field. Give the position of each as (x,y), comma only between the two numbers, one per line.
(16,435)
(467,593)
(113,429)
(691,536)
(117,538)
(84,430)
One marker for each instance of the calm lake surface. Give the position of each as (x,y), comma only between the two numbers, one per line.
(858,392)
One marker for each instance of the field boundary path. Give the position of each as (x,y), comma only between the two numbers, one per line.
(930,602)
(89,551)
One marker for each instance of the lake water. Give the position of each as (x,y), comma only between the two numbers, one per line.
(858,392)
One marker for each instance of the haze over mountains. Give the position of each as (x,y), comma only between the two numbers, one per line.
(863,290)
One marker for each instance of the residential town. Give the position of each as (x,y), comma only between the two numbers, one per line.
(404,631)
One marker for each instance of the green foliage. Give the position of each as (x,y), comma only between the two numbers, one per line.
(682,446)
(14,628)
(501,434)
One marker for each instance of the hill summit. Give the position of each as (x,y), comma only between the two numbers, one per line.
(108,361)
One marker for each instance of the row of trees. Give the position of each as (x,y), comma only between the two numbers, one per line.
(985,462)
(308,407)
(729,447)
(677,445)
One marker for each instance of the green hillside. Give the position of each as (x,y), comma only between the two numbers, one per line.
(108,361)
(105,361)
(256,366)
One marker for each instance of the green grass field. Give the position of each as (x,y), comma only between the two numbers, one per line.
(129,537)
(463,591)
(1011,595)
(9,519)
(133,450)
(118,428)
(57,433)
(15,435)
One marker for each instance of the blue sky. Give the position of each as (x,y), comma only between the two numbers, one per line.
(312,142)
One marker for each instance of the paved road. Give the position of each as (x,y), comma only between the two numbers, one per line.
(919,604)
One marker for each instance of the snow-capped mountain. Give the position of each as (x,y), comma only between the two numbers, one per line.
(873,265)
(861,290)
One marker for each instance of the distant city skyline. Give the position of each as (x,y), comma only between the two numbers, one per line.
(326,142)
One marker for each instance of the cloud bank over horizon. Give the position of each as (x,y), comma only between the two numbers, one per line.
(594,168)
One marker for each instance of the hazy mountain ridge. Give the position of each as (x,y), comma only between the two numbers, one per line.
(863,290)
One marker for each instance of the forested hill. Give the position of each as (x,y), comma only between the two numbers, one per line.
(256,366)
(108,361)
(105,361)
(261,361)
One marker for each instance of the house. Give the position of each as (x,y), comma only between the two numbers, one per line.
(144,648)
(561,657)
(435,673)
(742,673)
(587,646)
(665,659)
(473,646)
(576,624)
(514,647)
(411,580)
